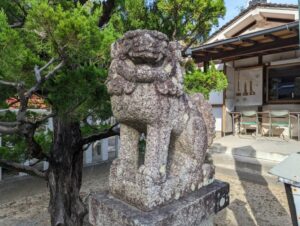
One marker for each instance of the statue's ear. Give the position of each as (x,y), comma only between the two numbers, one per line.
(175,48)
(120,48)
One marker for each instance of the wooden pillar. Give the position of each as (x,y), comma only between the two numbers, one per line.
(224,112)
(206,66)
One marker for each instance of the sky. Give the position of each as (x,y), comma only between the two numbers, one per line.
(233,8)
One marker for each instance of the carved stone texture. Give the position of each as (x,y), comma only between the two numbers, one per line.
(146,86)
(197,209)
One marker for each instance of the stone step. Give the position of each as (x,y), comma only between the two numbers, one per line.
(248,152)
(245,168)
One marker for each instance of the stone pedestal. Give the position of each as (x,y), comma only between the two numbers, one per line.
(196,208)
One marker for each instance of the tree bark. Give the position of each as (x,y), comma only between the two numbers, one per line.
(65,174)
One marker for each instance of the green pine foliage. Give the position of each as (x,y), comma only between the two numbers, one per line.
(12,148)
(58,30)
(198,81)
(183,20)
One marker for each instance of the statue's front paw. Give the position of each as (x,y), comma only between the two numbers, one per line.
(152,174)
(116,169)
(208,173)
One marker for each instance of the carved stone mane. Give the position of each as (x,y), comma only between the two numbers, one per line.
(146,87)
(145,57)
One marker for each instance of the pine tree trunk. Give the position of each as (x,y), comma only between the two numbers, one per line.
(65,175)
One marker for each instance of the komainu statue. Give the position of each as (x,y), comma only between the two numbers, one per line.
(147,95)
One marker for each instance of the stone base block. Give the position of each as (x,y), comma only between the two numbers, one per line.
(195,209)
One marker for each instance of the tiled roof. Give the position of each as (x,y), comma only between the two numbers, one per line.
(251,7)
(35,102)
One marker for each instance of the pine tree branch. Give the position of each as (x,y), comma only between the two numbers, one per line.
(22,168)
(40,80)
(17,24)
(21,21)
(42,120)
(47,64)
(8,130)
(106,134)
(23,127)
(21,115)
(6,83)
(35,163)
(27,130)
(9,124)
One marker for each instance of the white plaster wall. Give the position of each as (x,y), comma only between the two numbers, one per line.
(244,78)
(220,67)
(230,78)
(281,56)
(217,112)
(216,98)
(252,61)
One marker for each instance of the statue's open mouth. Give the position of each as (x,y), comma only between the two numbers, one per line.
(146,56)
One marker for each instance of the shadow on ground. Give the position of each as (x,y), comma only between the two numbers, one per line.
(254,216)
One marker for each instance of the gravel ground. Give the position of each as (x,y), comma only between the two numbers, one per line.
(254,204)
(251,204)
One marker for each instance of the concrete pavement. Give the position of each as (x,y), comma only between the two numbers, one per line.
(251,155)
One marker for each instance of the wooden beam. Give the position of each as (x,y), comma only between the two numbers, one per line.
(294,31)
(212,50)
(218,48)
(198,54)
(244,29)
(260,54)
(260,60)
(254,49)
(273,37)
(224,112)
(230,46)
(280,20)
(251,41)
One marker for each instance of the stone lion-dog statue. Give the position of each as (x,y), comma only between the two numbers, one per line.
(146,86)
